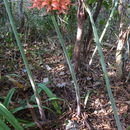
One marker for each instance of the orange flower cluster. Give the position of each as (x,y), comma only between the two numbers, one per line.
(59,5)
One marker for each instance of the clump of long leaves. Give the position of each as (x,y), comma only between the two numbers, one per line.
(9,117)
(5,114)
(20,124)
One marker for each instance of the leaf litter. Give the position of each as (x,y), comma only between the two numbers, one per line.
(98,112)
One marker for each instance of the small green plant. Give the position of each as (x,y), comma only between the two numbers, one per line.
(51,96)
(6,114)
(70,49)
(8,97)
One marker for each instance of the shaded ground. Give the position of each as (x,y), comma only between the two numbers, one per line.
(47,63)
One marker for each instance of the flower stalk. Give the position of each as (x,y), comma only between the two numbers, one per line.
(69,63)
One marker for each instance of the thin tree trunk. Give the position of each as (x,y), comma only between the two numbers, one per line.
(80,25)
(122,38)
(89,38)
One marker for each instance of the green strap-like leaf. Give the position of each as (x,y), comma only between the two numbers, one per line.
(26,107)
(68,62)
(9,117)
(33,124)
(8,98)
(54,98)
(3,126)
(51,95)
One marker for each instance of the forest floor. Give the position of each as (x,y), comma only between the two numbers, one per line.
(48,64)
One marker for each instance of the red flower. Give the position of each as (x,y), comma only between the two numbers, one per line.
(59,5)
(36,4)
(47,4)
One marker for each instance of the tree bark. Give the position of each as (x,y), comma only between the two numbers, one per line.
(122,9)
(81,19)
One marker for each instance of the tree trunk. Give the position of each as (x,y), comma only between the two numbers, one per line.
(80,25)
(120,51)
